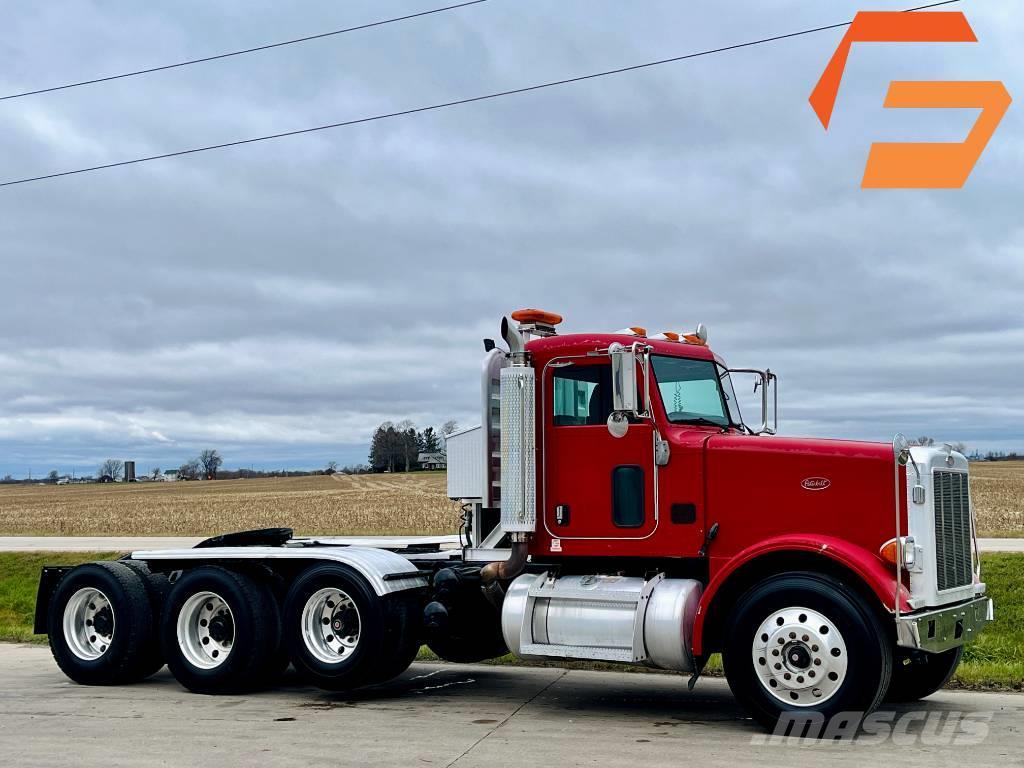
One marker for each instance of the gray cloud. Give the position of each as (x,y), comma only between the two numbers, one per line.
(281,299)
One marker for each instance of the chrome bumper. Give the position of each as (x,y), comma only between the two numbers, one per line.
(944,628)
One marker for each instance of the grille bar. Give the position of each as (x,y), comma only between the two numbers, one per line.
(952,530)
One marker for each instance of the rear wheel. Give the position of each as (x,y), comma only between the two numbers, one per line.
(220,631)
(158,587)
(101,626)
(340,634)
(915,677)
(805,643)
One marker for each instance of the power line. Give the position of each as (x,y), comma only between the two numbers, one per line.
(446,104)
(266,47)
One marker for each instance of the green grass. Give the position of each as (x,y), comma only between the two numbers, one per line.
(19,578)
(995,661)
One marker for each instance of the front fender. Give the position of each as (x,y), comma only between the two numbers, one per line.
(878,575)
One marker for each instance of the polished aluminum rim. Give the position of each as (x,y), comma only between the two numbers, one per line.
(800,657)
(206,630)
(330,625)
(88,623)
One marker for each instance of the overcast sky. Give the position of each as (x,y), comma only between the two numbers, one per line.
(277,301)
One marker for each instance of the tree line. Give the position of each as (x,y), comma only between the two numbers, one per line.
(397,447)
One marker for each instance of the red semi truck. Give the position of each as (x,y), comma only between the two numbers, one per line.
(617,506)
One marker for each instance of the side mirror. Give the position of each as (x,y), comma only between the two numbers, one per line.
(901,449)
(618,424)
(624,389)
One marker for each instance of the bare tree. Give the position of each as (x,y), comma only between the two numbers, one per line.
(924,440)
(332,467)
(449,426)
(211,462)
(189,470)
(155,472)
(112,467)
(54,476)
(960,448)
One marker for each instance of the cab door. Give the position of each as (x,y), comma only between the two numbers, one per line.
(595,486)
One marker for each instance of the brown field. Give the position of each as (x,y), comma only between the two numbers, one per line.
(997,489)
(340,504)
(360,504)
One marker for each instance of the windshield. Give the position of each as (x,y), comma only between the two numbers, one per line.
(692,391)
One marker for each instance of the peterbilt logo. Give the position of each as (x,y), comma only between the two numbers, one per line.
(816,483)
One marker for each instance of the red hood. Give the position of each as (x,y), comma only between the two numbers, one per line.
(759,487)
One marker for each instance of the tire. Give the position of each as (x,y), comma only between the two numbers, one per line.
(470,645)
(381,635)
(111,598)
(234,650)
(914,678)
(158,587)
(407,612)
(845,668)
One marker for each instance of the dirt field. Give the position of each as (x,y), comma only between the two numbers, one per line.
(997,489)
(360,504)
(357,504)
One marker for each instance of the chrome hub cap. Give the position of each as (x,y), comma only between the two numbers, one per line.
(206,630)
(799,656)
(330,625)
(88,623)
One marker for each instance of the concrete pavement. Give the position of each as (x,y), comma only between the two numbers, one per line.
(131,543)
(441,715)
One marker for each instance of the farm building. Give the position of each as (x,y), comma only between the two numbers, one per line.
(433,461)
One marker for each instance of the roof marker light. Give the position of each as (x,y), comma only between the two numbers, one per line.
(633,331)
(667,336)
(699,336)
(536,316)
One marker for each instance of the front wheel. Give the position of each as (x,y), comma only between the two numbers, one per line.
(805,643)
(914,678)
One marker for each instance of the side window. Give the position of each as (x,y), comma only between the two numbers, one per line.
(582,395)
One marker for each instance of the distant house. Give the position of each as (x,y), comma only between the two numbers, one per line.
(170,475)
(106,479)
(433,461)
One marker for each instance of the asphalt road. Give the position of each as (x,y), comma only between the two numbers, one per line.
(442,715)
(130,543)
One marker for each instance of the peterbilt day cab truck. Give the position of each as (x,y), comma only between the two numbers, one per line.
(618,507)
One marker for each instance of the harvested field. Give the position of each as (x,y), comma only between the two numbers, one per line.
(997,489)
(340,504)
(358,504)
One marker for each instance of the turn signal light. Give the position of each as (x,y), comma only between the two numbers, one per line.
(536,316)
(667,336)
(890,552)
(635,330)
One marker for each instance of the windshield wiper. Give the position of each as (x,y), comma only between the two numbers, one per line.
(701,421)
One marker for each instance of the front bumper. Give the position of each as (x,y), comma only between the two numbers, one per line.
(944,628)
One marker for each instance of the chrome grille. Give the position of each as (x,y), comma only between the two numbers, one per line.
(952,530)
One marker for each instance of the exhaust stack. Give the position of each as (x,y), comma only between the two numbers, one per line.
(518,444)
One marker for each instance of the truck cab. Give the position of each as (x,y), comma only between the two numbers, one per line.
(620,466)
